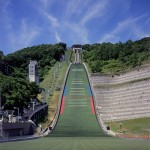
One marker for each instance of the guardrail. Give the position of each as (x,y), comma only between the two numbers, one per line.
(37,110)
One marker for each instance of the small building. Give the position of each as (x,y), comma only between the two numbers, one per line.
(33,72)
(76,47)
(16,129)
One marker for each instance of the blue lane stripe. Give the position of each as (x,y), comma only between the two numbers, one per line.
(89,91)
(65,91)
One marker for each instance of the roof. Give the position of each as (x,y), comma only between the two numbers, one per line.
(77,46)
(32,62)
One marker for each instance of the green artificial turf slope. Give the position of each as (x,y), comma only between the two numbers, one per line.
(77,118)
(77,143)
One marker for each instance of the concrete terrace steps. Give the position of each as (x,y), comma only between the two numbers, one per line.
(128,101)
(122,104)
(125,116)
(133,75)
(111,80)
(127,109)
(120,88)
(123,97)
(128,113)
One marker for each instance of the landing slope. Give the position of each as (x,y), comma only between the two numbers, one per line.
(77,123)
(77,115)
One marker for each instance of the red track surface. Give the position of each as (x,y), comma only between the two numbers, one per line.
(62,106)
(92,105)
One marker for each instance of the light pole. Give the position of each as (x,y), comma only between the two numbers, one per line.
(18,112)
(33,106)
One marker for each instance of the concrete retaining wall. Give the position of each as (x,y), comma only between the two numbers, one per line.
(127,101)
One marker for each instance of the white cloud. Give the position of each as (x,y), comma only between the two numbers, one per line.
(96,10)
(147,22)
(48,17)
(82,12)
(19,33)
(45,2)
(57,36)
(139,33)
(128,24)
(4,5)
(42,4)
(5,14)
(75,8)
(52,19)
(76,33)
(24,36)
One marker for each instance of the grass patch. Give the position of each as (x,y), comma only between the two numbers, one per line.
(133,126)
(147,61)
(70,55)
(52,84)
(53,105)
(88,68)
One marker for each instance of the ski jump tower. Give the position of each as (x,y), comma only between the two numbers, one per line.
(77,48)
(33,72)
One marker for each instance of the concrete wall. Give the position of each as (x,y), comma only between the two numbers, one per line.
(123,102)
(17,129)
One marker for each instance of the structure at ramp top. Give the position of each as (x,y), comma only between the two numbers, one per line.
(77,114)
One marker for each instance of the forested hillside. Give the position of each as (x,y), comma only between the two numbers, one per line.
(105,58)
(108,58)
(15,88)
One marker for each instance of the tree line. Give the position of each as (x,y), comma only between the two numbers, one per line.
(108,58)
(16,89)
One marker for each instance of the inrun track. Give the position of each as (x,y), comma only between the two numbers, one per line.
(77,115)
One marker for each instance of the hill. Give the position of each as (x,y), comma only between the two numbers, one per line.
(16,89)
(108,58)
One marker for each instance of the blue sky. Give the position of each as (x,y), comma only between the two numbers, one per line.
(25,23)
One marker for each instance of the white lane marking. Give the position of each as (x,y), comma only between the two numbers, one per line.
(77,70)
(77,79)
(77,99)
(77,105)
(77,93)
(77,83)
(77,88)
